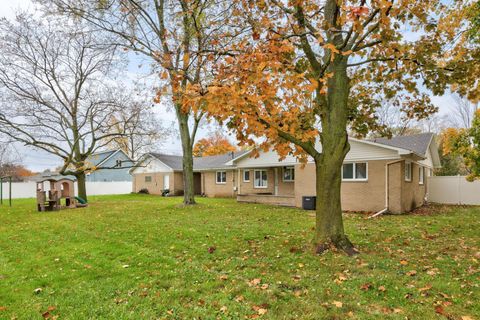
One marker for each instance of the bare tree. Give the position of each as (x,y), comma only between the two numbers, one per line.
(180,37)
(9,156)
(139,127)
(462,112)
(54,88)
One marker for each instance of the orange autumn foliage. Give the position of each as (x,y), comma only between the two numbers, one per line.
(213,145)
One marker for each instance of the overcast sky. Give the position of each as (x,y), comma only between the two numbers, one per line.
(40,160)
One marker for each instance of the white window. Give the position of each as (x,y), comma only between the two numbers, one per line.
(408,171)
(421,174)
(356,171)
(288,174)
(246,175)
(221,177)
(148,178)
(260,177)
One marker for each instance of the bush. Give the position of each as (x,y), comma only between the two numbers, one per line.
(165,192)
(144,191)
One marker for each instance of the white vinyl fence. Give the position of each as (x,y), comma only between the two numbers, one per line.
(453,190)
(28,189)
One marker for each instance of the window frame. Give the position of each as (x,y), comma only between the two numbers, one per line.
(292,174)
(421,175)
(410,165)
(246,171)
(266,180)
(149,180)
(216,177)
(354,172)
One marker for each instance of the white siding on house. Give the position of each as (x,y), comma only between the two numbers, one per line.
(427,162)
(265,159)
(364,151)
(152,165)
(358,151)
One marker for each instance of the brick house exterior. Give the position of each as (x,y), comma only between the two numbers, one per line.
(376,175)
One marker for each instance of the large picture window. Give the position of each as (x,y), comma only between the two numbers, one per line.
(221,177)
(288,174)
(260,179)
(355,171)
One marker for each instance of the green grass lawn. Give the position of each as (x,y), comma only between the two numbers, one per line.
(144,257)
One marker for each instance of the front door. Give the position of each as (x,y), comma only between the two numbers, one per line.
(166,182)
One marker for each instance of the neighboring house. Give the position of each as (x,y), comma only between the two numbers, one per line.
(112,165)
(377,174)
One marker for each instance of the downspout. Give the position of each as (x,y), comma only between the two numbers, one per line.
(387,165)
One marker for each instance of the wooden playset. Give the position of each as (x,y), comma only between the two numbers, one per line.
(61,188)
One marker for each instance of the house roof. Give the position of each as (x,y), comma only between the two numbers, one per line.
(175,162)
(98,157)
(417,143)
(216,162)
(172,161)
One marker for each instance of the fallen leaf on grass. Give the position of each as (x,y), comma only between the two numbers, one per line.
(254,282)
(3,308)
(366,286)
(261,310)
(466,318)
(212,249)
(38,290)
(426,288)
(224,309)
(223,277)
(411,273)
(403,262)
(382,289)
(239,298)
(264,286)
(439,309)
(337,304)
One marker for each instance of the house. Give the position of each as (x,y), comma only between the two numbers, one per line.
(111,165)
(376,174)
(158,172)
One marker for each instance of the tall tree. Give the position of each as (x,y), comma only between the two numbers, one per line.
(180,37)
(138,127)
(464,143)
(312,69)
(55,91)
(213,145)
(463,111)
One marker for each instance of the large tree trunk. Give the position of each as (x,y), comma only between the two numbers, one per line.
(187,148)
(82,188)
(335,146)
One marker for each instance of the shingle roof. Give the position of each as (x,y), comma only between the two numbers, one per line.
(174,162)
(417,143)
(199,163)
(215,162)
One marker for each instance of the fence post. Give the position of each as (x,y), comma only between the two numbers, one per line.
(459,189)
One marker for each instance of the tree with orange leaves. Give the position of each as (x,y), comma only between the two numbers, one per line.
(310,70)
(213,145)
(465,143)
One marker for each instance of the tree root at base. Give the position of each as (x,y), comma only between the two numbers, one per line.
(340,243)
